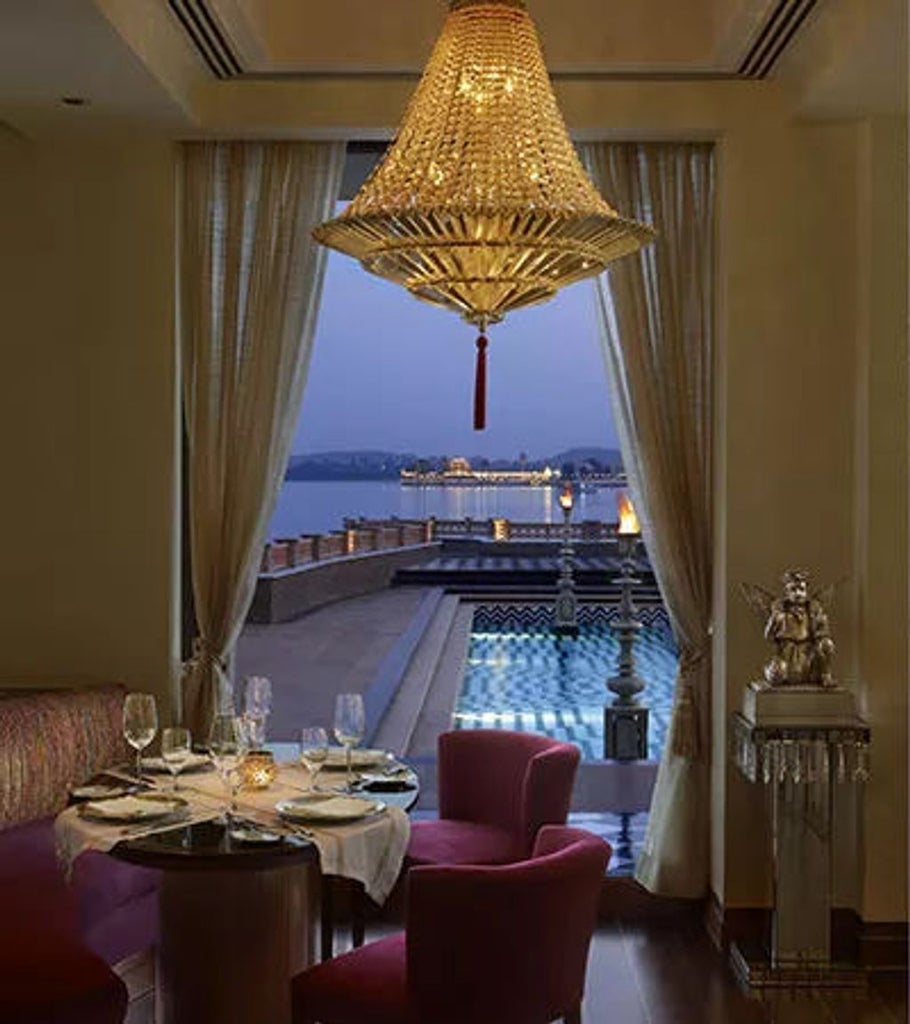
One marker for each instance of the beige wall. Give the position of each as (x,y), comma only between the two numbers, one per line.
(881,504)
(87,411)
(788,471)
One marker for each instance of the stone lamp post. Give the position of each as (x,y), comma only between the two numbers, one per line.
(565,618)
(626,721)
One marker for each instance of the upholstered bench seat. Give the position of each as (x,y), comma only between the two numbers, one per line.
(49,978)
(49,742)
(117,905)
(32,887)
(112,904)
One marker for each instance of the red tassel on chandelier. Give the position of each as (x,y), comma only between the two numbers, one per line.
(480,385)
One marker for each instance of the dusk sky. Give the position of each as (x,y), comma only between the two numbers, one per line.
(390,372)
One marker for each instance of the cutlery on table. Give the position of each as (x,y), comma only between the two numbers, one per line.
(281,827)
(139,831)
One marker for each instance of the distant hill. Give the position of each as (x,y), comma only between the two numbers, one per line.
(367,464)
(578,457)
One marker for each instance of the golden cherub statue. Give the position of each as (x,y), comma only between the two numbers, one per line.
(797,625)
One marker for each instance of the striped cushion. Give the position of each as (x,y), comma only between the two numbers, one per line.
(51,741)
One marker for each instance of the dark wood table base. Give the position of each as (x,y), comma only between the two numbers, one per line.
(231,942)
(333,887)
(237,923)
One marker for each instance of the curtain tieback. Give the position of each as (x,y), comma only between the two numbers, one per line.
(691,660)
(686,739)
(205,656)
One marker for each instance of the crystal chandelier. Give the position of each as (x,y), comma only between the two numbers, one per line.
(481,204)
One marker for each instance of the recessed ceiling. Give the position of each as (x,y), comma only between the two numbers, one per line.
(50,49)
(649,38)
(193,66)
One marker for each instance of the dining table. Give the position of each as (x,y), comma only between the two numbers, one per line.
(239,916)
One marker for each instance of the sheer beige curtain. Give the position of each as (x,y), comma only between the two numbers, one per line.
(250,278)
(656,313)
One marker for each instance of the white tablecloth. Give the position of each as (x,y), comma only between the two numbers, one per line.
(369,851)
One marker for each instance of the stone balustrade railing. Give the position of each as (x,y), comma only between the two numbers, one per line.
(502,529)
(587,530)
(364,535)
(357,537)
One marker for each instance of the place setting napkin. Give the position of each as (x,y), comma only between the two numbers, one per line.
(74,833)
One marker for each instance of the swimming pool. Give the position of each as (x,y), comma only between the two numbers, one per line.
(520,676)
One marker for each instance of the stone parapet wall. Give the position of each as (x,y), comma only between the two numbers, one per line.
(414,533)
(284,554)
(289,593)
(388,537)
(360,539)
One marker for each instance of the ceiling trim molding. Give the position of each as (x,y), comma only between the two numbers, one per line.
(556,76)
(771,39)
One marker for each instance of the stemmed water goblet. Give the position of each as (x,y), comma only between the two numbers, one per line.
(176,750)
(228,746)
(314,749)
(350,723)
(257,704)
(140,723)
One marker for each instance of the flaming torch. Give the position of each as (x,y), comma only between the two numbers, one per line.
(626,721)
(628,520)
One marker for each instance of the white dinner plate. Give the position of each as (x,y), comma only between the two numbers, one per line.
(194,763)
(128,809)
(359,759)
(101,791)
(328,808)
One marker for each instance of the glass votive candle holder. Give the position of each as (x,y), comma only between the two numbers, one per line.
(258,770)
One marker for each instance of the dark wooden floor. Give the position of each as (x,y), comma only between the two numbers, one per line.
(652,962)
(667,972)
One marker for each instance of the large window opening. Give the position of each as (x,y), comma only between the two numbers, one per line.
(390,390)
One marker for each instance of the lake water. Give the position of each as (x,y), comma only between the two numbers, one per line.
(317,506)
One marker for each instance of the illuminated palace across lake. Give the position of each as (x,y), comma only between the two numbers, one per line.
(459,473)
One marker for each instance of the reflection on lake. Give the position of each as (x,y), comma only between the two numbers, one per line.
(317,506)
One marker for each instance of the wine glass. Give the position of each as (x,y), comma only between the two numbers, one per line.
(140,723)
(257,703)
(349,727)
(176,749)
(228,746)
(314,749)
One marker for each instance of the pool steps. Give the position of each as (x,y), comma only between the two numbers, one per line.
(442,693)
(396,727)
(382,690)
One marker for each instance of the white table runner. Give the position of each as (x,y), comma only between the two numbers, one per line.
(369,851)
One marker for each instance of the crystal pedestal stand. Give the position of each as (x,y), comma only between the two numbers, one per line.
(626,721)
(812,773)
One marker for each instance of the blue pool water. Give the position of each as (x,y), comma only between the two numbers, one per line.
(520,676)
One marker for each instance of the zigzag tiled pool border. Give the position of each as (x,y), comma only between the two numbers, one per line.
(520,676)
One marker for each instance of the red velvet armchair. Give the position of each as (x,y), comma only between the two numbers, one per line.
(496,789)
(503,944)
